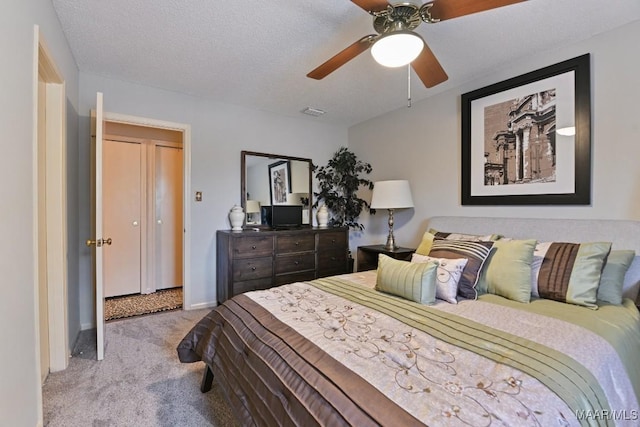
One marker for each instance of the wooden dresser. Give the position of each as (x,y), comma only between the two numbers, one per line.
(251,260)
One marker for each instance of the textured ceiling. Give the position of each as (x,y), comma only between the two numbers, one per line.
(257,53)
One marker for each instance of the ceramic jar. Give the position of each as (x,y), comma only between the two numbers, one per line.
(236,218)
(322,216)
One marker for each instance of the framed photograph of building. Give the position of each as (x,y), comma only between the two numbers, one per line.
(279,182)
(527,140)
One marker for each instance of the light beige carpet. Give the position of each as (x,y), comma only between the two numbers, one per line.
(140,382)
(135,305)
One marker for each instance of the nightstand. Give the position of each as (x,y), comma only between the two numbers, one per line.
(367,256)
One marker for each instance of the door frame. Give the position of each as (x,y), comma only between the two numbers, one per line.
(56,203)
(186,187)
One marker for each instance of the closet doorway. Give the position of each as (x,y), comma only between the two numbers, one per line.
(143,215)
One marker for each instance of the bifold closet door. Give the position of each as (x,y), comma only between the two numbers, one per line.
(122,212)
(168,216)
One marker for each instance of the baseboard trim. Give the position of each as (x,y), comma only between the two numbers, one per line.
(85,326)
(202,305)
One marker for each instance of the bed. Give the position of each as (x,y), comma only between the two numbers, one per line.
(378,347)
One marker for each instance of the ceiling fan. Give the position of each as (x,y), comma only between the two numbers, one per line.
(395,23)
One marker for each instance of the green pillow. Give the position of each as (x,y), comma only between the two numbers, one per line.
(507,271)
(612,279)
(412,281)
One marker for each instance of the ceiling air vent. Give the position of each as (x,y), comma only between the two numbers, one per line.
(315,112)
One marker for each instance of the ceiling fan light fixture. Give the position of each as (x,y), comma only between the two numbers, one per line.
(397,48)
(566,131)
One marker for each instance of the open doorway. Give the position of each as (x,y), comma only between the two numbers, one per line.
(142,176)
(101,241)
(147,236)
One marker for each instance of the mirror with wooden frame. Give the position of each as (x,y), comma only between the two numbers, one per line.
(274,179)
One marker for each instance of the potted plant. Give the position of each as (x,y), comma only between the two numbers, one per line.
(338,183)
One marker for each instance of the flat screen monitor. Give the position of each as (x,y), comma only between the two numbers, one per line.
(282,216)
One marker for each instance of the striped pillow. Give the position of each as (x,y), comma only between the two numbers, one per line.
(430,235)
(475,252)
(412,281)
(570,272)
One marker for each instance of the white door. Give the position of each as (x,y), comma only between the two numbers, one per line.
(122,215)
(168,211)
(98,241)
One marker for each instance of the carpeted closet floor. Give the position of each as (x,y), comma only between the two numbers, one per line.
(135,305)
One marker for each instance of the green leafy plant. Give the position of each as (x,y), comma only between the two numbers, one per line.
(338,183)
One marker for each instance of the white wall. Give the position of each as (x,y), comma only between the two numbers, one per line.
(422,144)
(219,132)
(20,394)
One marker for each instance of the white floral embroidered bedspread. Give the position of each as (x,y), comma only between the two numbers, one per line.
(436,382)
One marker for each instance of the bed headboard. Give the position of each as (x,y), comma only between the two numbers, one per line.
(624,234)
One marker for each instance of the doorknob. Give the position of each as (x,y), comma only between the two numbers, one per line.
(99,242)
(90,243)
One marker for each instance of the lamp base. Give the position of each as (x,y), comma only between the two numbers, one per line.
(390,248)
(391,241)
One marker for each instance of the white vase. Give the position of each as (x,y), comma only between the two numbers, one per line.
(236,218)
(323,216)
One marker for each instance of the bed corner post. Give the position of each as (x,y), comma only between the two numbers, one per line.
(207,379)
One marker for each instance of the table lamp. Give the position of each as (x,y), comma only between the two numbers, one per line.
(391,195)
(253,207)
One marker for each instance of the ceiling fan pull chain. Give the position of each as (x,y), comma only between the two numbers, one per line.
(409,85)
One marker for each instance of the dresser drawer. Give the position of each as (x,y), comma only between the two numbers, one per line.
(296,262)
(332,263)
(295,243)
(252,268)
(251,285)
(304,276)
(252,246)
(332,241)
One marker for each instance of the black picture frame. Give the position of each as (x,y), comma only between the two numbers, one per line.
(279,182)
(535,165)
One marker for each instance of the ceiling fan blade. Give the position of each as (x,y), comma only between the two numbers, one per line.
(428,68)
(342,57)
(449,9)
(372,5)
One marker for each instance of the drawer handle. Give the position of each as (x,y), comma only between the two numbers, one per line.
(333,258)
(333,240)
(253,246)
(253,269)
(296,262)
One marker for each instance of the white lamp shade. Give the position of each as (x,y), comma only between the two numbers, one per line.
(395,194)
(253,206)
(397,48)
